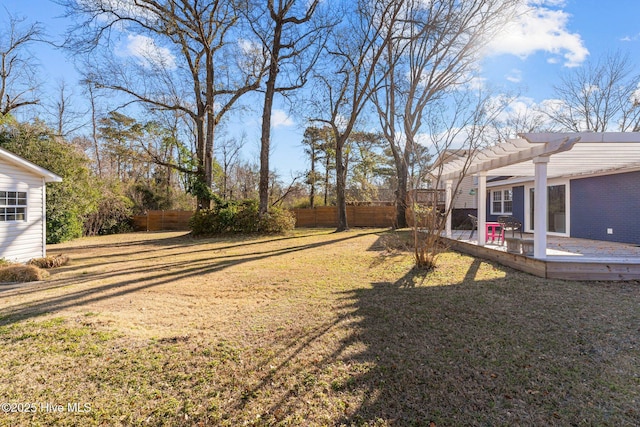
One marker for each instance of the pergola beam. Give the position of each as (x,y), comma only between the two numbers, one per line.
(518,156)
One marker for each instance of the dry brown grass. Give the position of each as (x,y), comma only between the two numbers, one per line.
(313,329)
(51,261)
(19,273)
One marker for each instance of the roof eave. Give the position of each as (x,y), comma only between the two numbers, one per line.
(33,168)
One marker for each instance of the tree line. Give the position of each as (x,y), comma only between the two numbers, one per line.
(385,88)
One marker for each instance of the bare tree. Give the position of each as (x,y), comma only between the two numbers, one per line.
(521,119)
(94,124)
(229,151)
(17,72)
(244,180)
(179,55)
(435,51)
(601,96)
(460,125)
(66,118)
(347,81)
(291,35)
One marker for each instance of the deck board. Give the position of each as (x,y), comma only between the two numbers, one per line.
(567,258)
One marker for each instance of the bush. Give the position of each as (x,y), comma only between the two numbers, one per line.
(112,216)
(246,218)
(240,217)
(277,221)
(202,222)
(62,226)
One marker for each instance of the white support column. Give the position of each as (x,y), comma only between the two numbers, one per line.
(482,208)
(540,209)
(448,200)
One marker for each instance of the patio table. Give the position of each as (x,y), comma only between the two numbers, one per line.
(492,230)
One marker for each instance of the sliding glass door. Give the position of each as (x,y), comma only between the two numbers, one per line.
(556,208)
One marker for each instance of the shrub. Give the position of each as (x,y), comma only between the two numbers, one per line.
(202,222)
(240,217)
(246,219)
(277,221)
(112,216)
(62,226)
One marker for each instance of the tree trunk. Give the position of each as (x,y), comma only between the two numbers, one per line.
(265,138)
(265,141)
(199,180)
(402,170)
(341,183)
(401,198)
(210,125)
(326,179)
(312,176)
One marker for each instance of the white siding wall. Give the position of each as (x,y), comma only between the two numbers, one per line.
(464,200)
(22,240)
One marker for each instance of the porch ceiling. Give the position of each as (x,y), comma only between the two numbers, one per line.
(570,154)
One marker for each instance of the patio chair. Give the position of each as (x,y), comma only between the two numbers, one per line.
(474,224)
(509,223)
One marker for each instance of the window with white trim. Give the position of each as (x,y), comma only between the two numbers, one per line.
(502,202)
(13,206)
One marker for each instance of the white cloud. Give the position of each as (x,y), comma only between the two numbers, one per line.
(635,96)
(148,52)
(537,28)
(520,107)
(633,38)
(476,84)
(281,119)
(515,76)
(556,3)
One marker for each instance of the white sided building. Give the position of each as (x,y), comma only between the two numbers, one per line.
(22,208)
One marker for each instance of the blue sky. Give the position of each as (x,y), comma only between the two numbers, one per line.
(551,38)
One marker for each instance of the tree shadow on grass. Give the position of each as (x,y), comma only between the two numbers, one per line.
(512,351)
(162,247)
(126,281)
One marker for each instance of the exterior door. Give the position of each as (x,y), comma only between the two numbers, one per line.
(556,208)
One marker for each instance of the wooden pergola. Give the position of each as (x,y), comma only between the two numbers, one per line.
(543,156)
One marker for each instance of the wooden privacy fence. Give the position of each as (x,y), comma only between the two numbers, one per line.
(325,216)
(357,216)
(162,220)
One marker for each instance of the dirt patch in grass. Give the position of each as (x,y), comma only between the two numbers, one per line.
(316,328)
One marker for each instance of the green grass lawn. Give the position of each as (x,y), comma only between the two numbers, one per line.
(316,328)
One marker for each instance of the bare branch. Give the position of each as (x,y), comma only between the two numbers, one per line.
(17,66)
(602,96)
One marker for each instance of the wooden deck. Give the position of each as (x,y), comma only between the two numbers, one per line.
(567,258)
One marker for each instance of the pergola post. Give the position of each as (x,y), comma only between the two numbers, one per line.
(540,208)
(447,208)
(482,208)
